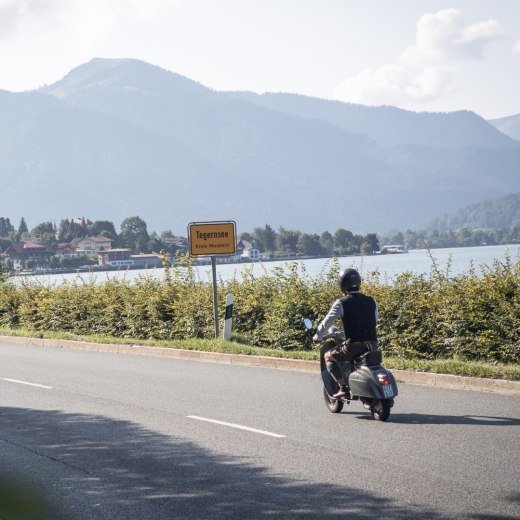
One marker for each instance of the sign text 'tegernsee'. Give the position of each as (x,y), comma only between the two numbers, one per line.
(212,238)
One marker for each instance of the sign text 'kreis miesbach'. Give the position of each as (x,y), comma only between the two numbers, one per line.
(212,238)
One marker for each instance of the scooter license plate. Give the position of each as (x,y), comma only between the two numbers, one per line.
(388,391)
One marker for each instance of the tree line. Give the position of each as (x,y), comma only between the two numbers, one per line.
(464,237)
(133,234)
(287,242)
(344,242)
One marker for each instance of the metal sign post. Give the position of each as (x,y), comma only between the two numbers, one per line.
(215,301)
(212,239)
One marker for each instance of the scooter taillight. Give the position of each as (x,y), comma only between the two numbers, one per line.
(384,379)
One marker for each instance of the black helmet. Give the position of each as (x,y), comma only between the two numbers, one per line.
(349,280)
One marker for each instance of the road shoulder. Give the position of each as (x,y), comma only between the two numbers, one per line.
(499,386)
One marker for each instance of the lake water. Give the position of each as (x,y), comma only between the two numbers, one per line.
(419,261)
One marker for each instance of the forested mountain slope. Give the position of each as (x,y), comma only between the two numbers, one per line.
(115,138)
(502,213)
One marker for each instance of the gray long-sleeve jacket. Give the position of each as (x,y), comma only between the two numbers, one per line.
(335,313)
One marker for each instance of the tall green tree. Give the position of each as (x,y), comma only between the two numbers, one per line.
(167,233)
(43,227)
(5,243)
(4,227)
(134,234)
(10,227)
(69,230)
(46,232)
(155,243)
(265,238)
(104,228)
(22,228)
(327,242)
(343,240)
(63,230)
(287,240)
(309,245)
(370,244)
(396,237)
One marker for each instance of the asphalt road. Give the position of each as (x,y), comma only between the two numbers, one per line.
(109,436)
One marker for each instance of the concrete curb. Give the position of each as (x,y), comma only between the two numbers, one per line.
(499,386)
(478,384)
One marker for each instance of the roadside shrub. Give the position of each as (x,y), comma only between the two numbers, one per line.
(468,317)
(9,305)
(484,314)
(252,296)
(291,302)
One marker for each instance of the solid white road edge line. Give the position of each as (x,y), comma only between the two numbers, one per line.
(238,426)
(25,383)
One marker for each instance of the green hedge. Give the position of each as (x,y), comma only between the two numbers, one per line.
(467,317)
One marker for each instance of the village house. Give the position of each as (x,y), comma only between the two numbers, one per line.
(252,255)
(115,258)
(246,251)
(144,260)
(90,246)
(177,242)
(65,250)
(29,255)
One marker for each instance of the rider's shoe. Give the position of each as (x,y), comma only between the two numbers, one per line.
(343,392)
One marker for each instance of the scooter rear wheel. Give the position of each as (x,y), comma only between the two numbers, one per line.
(380,409)
(334,405)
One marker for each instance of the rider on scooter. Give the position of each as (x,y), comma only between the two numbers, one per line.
(358,313)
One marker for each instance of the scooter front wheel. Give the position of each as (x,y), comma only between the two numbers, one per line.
(380,409)
(334,405)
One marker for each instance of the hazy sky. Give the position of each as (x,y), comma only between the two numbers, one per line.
(416,54)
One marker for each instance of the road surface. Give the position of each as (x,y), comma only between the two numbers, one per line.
(103,436)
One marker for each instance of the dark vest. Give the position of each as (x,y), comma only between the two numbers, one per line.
(359,317)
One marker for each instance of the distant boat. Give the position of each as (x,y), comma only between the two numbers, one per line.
(393,249)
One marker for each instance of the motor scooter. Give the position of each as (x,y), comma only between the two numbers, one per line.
(369,381)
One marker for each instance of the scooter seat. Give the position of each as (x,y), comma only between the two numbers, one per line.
(371,358)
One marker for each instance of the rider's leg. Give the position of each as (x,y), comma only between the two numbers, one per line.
(333,369)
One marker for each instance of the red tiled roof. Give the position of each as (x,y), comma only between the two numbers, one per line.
(33,245)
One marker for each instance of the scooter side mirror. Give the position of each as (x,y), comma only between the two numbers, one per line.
(307,323)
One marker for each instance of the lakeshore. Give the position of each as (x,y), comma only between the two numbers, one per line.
(450,261)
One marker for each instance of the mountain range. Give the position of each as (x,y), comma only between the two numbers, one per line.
(502,213)
(509,125)
(116,138)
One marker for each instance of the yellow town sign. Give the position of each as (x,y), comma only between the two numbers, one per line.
(212,238)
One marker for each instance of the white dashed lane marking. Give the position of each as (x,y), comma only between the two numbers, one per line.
(237,426)
(25,383)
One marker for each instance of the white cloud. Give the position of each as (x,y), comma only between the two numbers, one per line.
(16,14)
(393,84)
(426,70)
(85,21)
(41,40)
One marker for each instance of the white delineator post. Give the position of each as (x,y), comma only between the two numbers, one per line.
(228,319)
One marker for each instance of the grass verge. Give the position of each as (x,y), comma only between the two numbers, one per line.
(238,346)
